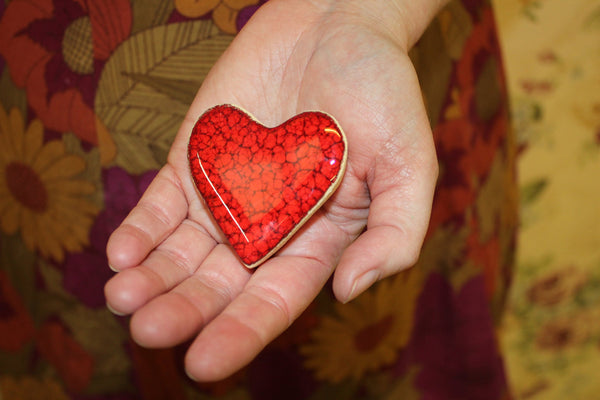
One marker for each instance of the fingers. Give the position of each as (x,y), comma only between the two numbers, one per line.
(236,310)
(174,260)
(180,313)
(275,295)
(160,210)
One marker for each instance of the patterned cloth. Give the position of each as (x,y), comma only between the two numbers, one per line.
(91,94)
(551,335)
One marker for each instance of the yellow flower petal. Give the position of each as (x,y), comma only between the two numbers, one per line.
(51,152)
(3,121)
(10,215)
(351,314)
(75,239)
(76,215)
(34,140)
(72,187)
(6,153)
(225,18)
(65,167)
(72,234)
(29,230)
(195,8)
(11,141)
(76,211)
(366,334)
(64,220)
(48,237)
(80,206)
(6,147)
(16,129)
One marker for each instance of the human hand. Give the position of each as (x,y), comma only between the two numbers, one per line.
(177,276)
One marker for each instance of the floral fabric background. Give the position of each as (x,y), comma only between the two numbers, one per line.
(551,332)
(91,94)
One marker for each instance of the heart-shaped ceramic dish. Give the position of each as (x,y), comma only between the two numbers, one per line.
(262,184)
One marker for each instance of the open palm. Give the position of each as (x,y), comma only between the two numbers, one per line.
(178,276)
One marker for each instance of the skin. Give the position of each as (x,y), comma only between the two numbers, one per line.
(176,275)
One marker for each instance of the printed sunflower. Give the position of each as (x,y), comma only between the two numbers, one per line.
(225,13)
(366,334)
(40,192)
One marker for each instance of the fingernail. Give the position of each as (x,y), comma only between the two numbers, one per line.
(112,310)
(113,268)
(193,378)
(362,283)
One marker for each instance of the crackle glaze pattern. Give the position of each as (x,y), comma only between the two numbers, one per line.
(261,184)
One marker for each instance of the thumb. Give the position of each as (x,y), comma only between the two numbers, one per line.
(402,195)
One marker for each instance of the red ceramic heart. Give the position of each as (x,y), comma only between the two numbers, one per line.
(261,184)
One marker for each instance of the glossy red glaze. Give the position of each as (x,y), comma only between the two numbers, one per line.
(261,184)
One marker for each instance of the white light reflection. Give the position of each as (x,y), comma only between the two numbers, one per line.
(220,198)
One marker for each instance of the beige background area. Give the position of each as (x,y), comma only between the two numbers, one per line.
(551,333)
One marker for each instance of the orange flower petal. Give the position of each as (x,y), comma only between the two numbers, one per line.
(106,144)
(111,25)
(17,16)
(73,364)
(63,112)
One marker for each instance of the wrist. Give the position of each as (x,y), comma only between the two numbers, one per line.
(402,21)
